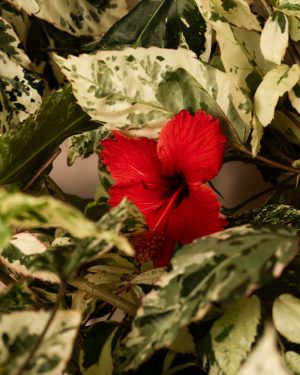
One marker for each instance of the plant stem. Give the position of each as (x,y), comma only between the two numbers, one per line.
(267,161)
(41,169)
(128,307)
(37,344)
(6,279)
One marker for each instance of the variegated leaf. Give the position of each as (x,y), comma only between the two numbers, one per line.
(256,136)
(294,28)
(75,17)
(85,144)
(217,268)
(233,335)
(275,37)
(290,7)
(18,19)
(20,93)
(286,317)
(19,331)
(139,89)
(276,82)
(271,214)
(265,358)
(10,44)
(236,12)
(17,297)
(294,96)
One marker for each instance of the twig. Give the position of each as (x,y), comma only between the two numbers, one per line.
(37,344)
(128,307)
(267,161)
(42,169)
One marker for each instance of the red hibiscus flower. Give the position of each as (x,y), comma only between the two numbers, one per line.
(166,181)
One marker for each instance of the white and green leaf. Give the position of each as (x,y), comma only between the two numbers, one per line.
(236,12)
(275,37)
(265,358)
(233,335)
(290,7)
(294,96)
(276,83)
(294,28)
(21,330)
(286,317)
(256,136)
(75,17)
(140,89)
(292,361)
(217,268)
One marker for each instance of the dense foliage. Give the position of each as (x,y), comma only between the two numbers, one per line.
(76,299)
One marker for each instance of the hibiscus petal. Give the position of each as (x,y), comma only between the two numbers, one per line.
(196,216)
(151,199)
(191,146)
(131,158)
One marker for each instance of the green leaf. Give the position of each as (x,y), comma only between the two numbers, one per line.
(284,124)
(290,7)
(160,23)
(276,82)
(19,332)
(140,89)
(97,348)
(286,316)
(85,144)
(275,37)
(74,17)
(24,151)
(265,358)
(236,12)
(294,28)
(217,268)
(271,214)
(234,333)
(183,342)
(17,297)
(292,360)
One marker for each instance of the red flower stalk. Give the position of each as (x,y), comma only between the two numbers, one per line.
(166,180)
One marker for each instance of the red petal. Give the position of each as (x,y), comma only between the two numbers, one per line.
(192,146)
(150,198)
(196,216)
(131,158)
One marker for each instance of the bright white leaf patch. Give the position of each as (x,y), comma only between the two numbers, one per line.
(275,37)
(275,83)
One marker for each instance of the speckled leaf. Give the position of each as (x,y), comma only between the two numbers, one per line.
(236,12)
(17,297)
(26,150)
(10,44)
(161,23)
(19,332)
(125,217)
(233,335)
(286,317)
(294,96)
(294,28)
(135,89)
(275,37)
(276,82)
(97,348)
(292,360)
(265,358)
(290,7)
(82,17)
(85,144)
(217,268)
(20,93)
(270,214)
(18,19)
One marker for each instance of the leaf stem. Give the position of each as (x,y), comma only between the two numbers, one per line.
(37,344)
(41,169)
(6,279)
(128,307)
(267,161)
